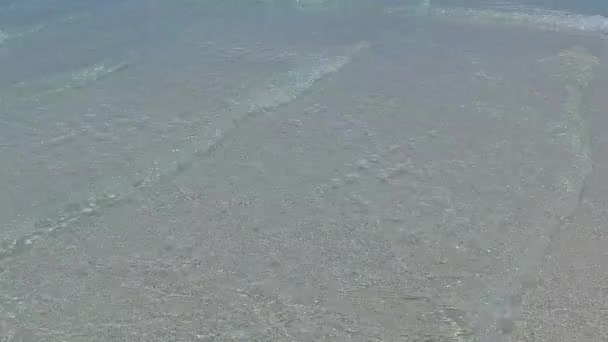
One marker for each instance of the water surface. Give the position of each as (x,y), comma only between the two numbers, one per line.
(311,170)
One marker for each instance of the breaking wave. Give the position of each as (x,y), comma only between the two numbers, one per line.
(544,19)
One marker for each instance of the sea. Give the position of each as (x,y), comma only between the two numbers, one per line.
(303,170)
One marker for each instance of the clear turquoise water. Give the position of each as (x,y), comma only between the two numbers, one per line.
(587,7)
(281,171)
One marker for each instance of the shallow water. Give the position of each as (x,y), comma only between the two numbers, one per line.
(586,7)
(199,171)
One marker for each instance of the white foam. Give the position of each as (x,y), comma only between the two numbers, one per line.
(595,23)
(545,19)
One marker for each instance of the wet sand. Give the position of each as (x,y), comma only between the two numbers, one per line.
(374,179)
(570,301)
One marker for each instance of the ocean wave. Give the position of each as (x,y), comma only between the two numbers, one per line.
(507,13)
(590,23)
(544,19)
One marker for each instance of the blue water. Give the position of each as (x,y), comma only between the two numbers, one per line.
(280,173)
(586,7)
(588,16)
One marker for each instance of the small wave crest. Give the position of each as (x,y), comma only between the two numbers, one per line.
(544,19)
(596,23)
